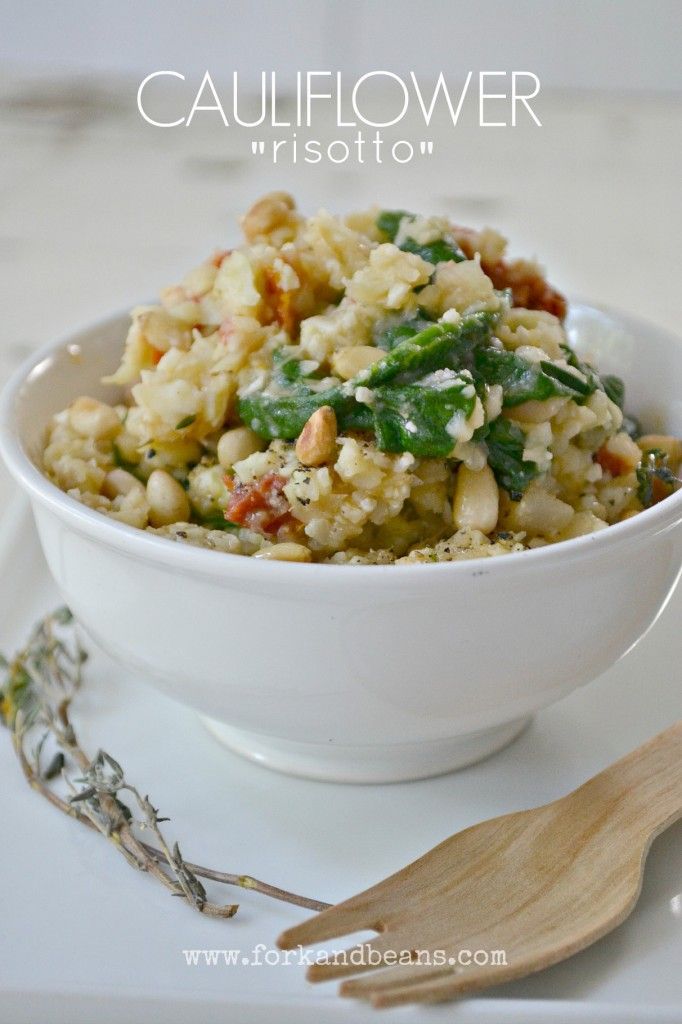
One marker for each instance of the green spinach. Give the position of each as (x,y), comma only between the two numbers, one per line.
(655,478)
(392,331)
(441,250)
(505,442)
(416,417)
(615,389)
(520,380)
(437,347)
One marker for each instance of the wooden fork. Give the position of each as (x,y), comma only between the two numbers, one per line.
(538,886)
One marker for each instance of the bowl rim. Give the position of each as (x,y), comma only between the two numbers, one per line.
(203,561)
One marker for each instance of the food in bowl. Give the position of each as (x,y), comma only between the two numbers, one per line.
(378,693)
(381,388)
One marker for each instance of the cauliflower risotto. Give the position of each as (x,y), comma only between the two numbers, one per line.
(380,388)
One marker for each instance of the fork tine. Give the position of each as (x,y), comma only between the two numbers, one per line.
(437,985)
(390,978)
(353,915)
(429,990)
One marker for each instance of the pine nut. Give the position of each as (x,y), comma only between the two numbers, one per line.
(91,418)
(476,502)
(349,362)
(238,444)
(168,502)
(270,212)
(120,482)
(317,441)
(285,552)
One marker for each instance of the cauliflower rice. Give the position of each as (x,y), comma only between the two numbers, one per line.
(381,388)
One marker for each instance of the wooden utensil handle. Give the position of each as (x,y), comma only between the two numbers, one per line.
(644,789)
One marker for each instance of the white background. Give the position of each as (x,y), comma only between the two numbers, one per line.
(586,44)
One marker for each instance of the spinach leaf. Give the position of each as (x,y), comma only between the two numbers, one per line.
(121,462)
(418,354)
(284,416)
(409,412)
(506,441)
(216,521)
(592,377)
(655,478)
(577,388)
(521,381)
(391,331)
(185,422)
(615,389)
(411,417)
(524,382)
(388,221)
(415,417)
(438,346)
(289,369)
(441,250)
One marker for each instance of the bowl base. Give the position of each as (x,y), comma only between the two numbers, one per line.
(398,762)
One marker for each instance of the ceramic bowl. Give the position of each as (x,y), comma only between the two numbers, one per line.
(367,673)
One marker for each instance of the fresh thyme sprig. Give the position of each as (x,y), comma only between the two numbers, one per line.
(39,685)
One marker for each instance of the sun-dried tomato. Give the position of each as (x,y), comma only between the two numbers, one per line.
(260,506)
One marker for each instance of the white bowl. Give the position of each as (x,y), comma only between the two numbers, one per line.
(367,673)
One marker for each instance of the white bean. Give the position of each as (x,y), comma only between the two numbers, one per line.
(476,503)
(285,552)
(91,418)
(168,502)
(238,444)
(120,482)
